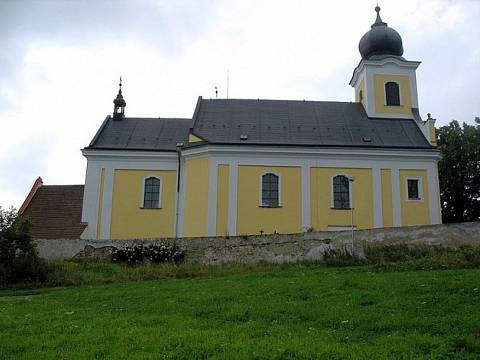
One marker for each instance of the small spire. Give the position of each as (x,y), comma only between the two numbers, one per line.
(378,20)
(119,104)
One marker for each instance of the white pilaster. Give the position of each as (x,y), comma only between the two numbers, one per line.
(396,201)
(90,199)
(232,198)
(107,203)
(212,198)
(377,198)
(306,211)
(433,195)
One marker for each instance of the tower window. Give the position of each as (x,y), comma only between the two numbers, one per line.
(151,193)
(392,93)
(360,95)
(270,190)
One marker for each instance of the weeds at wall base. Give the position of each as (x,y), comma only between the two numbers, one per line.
(378,258)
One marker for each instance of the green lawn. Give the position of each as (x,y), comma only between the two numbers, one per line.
(271,312)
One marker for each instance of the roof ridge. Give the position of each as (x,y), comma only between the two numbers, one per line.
(63,185)
(283,100)
(36,185)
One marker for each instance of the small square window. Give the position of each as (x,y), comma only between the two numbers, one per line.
(413,189)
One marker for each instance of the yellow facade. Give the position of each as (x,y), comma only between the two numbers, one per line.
(193,139)
(414,212)
(196,197)
(252,218)
(360,93)
(129,219)
(387,209)
(222,200)
(323,215)
(100,202)
(405,95)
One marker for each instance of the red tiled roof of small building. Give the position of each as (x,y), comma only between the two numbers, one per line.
(55,211)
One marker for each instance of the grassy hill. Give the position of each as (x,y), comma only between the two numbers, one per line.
(265,312)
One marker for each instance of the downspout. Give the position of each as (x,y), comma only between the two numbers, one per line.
(177,212)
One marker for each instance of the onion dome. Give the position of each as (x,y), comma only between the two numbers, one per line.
(380,40)
(119,101)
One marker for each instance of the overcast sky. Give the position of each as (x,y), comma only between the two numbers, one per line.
(60,62)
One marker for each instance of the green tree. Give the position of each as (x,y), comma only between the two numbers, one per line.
(19,260)
(459,171)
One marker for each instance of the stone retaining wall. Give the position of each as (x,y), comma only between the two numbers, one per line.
(273,248)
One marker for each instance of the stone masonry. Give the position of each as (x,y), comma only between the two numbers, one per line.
(276,248)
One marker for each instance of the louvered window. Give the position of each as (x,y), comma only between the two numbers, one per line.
(270,190)
(392,93)
(341,192)
(151,194)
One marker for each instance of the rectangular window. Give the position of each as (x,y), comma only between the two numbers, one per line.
(341,192)
(151,193)
(413,190)
(270,190)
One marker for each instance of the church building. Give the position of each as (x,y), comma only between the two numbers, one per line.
(241,167)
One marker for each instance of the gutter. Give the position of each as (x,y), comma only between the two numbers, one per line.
(177,210)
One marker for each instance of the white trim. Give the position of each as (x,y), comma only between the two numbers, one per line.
(377,197)
(90,199)
(232,198)
(107,203)
(306,211)
(419,185)
(396,199)
(142,196)
(260,192)
(162,165)
(402,64)
(299,153)
(385,82)
(127,154)
(341,227)
(434,195)
(212,198)
(350,192)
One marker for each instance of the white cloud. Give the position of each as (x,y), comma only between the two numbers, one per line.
(62,88)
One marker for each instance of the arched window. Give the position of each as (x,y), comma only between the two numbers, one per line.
(270,190)
(341,192)
(392,93)
(151,193)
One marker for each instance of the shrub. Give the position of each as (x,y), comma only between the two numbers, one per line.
(156,253)
(19,260)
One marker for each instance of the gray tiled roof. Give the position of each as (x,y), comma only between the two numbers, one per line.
(263,122)
(310,123)
(141,134)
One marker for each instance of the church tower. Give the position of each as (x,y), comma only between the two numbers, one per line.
(384,81)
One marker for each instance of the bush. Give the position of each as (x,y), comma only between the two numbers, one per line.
(19,260)
(156,253)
